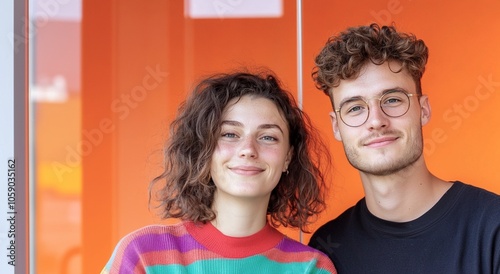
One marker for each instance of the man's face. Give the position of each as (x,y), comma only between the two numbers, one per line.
(383,145)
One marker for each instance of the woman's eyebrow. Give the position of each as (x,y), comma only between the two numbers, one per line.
(271,126)
(239,124)
(231,123)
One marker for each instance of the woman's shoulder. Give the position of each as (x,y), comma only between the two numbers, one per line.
(151,234)
(149,243)
(307,253)
(160,229)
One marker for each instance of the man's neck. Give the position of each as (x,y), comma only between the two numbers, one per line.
(405,195)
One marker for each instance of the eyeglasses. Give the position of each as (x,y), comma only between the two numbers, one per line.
(355,111)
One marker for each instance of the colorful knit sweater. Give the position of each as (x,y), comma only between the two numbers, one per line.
(190,248)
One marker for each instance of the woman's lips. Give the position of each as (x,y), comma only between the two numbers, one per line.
(246,170)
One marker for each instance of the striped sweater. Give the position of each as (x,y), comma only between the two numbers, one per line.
(189,248)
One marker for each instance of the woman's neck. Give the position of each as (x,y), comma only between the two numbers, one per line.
(239,217)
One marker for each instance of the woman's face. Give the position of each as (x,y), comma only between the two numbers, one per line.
(253,149)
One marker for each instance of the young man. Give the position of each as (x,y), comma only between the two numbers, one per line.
(409,221)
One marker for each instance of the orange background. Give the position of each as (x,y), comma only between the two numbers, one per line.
(124,106)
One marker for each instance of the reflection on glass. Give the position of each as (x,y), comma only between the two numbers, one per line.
(55,126)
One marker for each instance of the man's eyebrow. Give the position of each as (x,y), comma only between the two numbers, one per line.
(382,93)
(392,90)
(350,99)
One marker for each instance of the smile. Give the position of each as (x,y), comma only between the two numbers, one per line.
(379,142)
(246,170)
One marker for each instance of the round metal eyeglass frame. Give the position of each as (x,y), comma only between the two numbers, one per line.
(386,95)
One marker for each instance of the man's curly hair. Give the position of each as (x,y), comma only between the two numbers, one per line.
(344,55)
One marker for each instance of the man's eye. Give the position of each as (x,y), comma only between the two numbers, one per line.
(392,101)
(354,109)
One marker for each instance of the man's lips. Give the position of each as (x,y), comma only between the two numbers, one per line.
(381,141)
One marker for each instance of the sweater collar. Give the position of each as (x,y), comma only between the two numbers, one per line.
(234,247)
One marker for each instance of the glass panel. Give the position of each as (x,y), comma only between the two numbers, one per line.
(179,50)
(55,98)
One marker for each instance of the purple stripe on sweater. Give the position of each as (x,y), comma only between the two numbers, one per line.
(157,242)
(289,245)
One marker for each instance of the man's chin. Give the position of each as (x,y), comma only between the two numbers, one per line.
(383,168)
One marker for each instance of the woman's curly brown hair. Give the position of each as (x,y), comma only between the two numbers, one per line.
(344,55)
(187,190)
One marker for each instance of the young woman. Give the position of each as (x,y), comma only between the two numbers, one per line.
(241,160)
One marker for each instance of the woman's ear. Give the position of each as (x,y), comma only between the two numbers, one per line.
(288,159)
(335,126)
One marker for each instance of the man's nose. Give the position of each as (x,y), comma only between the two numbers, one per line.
(376,116)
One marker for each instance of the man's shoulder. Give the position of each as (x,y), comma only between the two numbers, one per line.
(475,204)
(477,195)
(342,222)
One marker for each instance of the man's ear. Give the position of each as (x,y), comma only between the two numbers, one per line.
(425,110)
(335,126)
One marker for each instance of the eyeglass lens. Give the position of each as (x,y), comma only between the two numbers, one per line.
(393,104)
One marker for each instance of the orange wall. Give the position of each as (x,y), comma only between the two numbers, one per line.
(123,43)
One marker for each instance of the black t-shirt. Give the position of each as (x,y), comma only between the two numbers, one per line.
(460,234)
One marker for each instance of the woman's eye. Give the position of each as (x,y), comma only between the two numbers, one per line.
(269,138)
(229,135)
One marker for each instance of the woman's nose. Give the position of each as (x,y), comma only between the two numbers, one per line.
(248,148)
